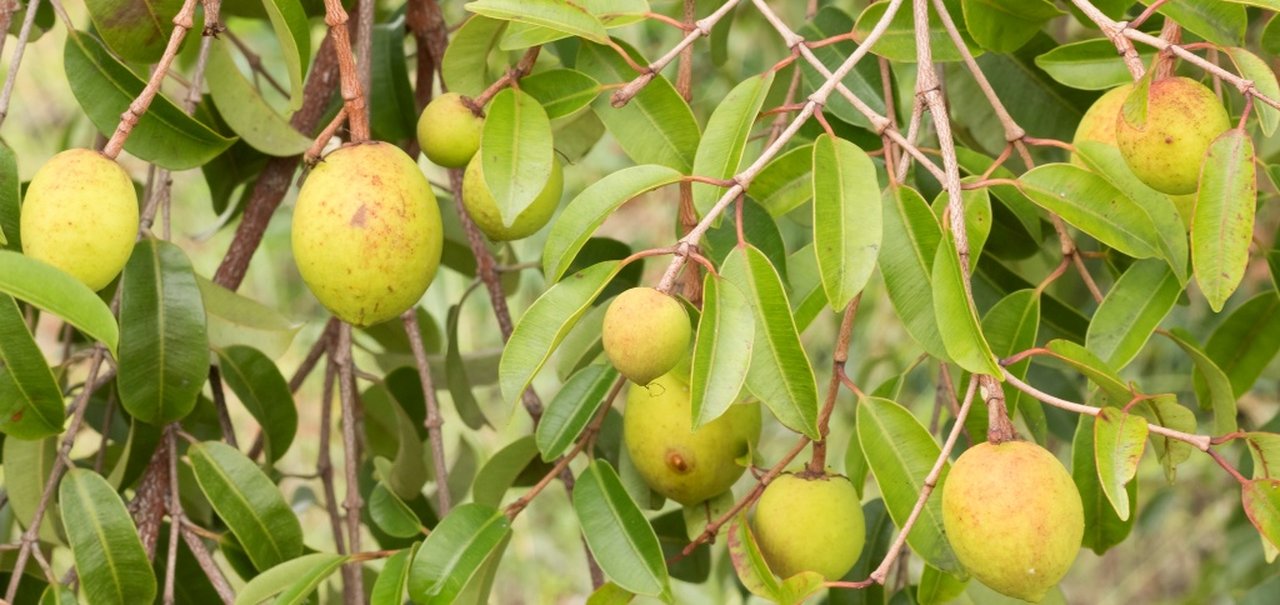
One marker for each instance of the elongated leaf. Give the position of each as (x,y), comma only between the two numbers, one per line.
(31,404)
(453,552)
(455,371)
(10,200)
(1247,340)
(1005,25)
(1132,310)
(394,579)
(111,563)
(137,30)
(234,319)
(1213,389)
(546,323)
(28,465)
(562,92)
(1223,225)
(293,581)
(753,570)
(780,373)
(165,135)
(516,152)
(248,502)
(289,21)
(977,217)
(1222,23)
(1103,528)
(1012,325)
(465,67)
(621,539)
(864,80)
(722,145)
(1254,69)
(391,514)
(572,409)
(262,389)
(957,319)
(164,349)
(902,453)
(786,182)
(1261,499)
(1096,370)
(560,16)
(938,587)
(56,292)
(586,212)
(657,126)
(721,351)
(1118,440)
(1076,195)
(846,218)
(500,472)
(911,236)
(898,42)
(1165,411)
(1091,64)
(244,109)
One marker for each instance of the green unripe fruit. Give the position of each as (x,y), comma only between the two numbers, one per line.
(366,233)
(484,209)
(1183,119)
(449,132)
(682,464)
(810,524)
(1099,122)
(645,334)
(80,214)
(1013,517)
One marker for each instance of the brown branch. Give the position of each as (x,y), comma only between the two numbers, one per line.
(255,63)
(353,580)
(324,460)
(433,422)
(220,404)
(175,510)
(818,461)
(352,92)
(206,562)
(513,75)
(6,13)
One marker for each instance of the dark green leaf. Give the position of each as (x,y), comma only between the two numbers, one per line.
(31,404)
(572,408)
(112,566)
(248,502)
(264,392)
(456,548)
(619,536)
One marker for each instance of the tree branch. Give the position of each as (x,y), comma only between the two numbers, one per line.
(434,422)
(353,580)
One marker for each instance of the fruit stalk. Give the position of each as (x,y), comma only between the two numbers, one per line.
(352,92)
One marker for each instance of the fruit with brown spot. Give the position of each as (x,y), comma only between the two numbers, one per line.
(449,132)
(1013,516)
(645,333)
(1183,118)
(80,214)
(686,465)
(810,524)
(366,232)
(483,208)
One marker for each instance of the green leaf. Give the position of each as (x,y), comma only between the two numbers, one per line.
(1222,228)
(1165,411)
(610,594)
(137,30)
(10,200)
(1132,310)
(977,217)
(1091,64)
(455,372)
(722,145)
(28,465)
(864,80)
(911,236)
(562,92)
(31,405)
(1094,206)
(516,152)
(248,502)
(391,583)
(780,373)
(902,453)
(622,541)
(786,182)
(1005,25)
(165,135)
(394,115)
(546,323)
(1213,389)
(234,319)
(566,17)
(899,43)
(1118,440)
(752,569)
(454,551)
(289,21)
(1256,70)
(465,67)
(846,218)
(257,381)
(164,350)
(57,292)
(957,319)
(721,351)
(243,109)
(112,566)
(500,472)
(938,587)
(1096,370)
(391,514)
(293,581)
(572,409)
(1261,498)
(1219,22)
(1264,450)
(387,408)
(1246,341)
(1011,326)
(586,212)
(657,126)
(1103,528)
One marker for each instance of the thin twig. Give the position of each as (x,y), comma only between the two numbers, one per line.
(175,512)
(324,460)
(27,21)
(206,562)
(701,28)
(353,583)
(433,422)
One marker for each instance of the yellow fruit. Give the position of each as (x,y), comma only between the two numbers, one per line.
(1013,517)
(80,215)
(449,132)
(1183,119)
(645,334)
(810,524)
(1099,122)
(484,209)
(366,232)
(684,465)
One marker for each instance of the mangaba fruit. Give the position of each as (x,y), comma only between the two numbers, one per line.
(685,465)
(645,334)
(1099,122)
(810,524)
(366,232)
(1013,517)
(449,132)
(80,214)
(1183,119)
(483,208)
